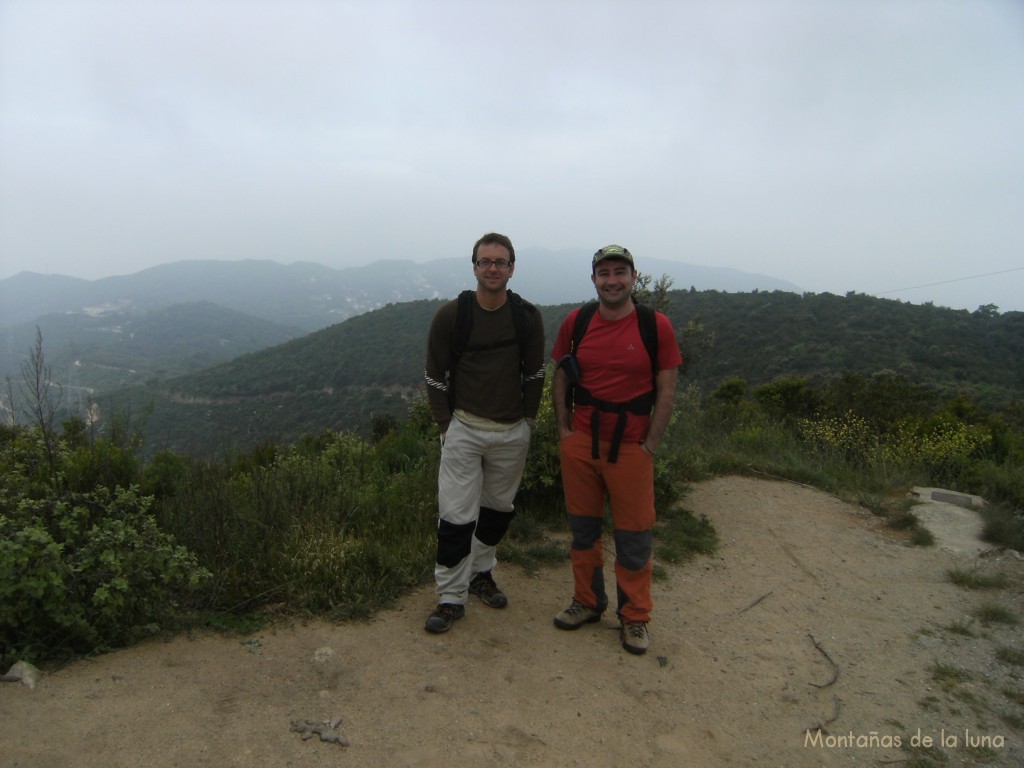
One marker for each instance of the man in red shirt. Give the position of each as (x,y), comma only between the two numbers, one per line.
(621,384)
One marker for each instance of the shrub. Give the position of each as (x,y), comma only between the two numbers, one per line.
(787,398)
(999,483)
(846,438)
(336,524)
(100,463)
(541,487)
(943,447)
(86,572)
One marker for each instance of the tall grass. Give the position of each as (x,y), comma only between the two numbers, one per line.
(342,527)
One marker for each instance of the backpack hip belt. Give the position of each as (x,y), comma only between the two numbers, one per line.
(641,406)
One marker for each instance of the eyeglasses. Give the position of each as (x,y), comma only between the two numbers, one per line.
(488,263)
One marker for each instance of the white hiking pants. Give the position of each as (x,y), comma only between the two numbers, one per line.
(480,469)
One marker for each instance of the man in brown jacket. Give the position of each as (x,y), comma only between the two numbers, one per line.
(484,390)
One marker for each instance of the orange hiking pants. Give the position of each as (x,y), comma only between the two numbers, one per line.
(628,485)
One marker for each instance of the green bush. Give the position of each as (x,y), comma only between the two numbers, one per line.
(540,492)
(334,523)
(340,525)
(86,572)
(100,464)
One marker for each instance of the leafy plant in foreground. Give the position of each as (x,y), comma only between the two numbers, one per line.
(86,572)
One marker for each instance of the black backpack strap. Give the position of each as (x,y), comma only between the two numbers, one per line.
(523,322)
(463,325)
(640,405)
(463,328)
(647,319)
(582,323)
(572,368)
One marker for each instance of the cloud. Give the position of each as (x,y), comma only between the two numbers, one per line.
(841,146)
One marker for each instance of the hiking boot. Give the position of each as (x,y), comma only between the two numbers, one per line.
(635,637)
(443,617)
(483,586)
(576,615)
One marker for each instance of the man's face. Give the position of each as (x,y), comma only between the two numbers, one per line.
(492,267)
(613,280)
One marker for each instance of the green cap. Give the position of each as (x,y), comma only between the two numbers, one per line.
(614,252)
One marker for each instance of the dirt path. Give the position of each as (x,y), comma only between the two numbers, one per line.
(808,616)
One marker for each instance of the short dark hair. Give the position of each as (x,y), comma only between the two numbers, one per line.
(493,238)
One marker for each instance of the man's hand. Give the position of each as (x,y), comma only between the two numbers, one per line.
(563,416)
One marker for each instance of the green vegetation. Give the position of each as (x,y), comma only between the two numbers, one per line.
(1014,656)
(994,613)
(961,628)
(903,358)
(971,579)
(86,572)
(120,347)
(843,447)
(108,534)
(1014,695)
(948,676)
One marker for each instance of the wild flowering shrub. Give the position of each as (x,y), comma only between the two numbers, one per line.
(847,438)
(941,448)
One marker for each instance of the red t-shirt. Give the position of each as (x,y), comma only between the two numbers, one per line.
(615,366)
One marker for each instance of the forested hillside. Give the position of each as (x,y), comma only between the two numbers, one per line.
(104,351)
(339,377)
(761,336)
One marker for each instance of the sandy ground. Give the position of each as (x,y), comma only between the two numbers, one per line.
(809,617)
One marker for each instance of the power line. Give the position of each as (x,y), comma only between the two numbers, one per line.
(947,282)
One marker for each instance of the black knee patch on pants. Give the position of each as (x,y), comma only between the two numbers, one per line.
(454,542)
(633,548)
(492,525)
(585,531)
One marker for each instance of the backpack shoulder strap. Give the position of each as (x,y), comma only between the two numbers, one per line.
(568,361)
(579,327)
(648,322)
(521,312)
(463,327)
(463,323)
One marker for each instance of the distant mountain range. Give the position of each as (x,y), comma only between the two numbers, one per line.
(177,318)
(308,297)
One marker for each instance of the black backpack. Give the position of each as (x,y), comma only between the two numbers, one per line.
(578,395)
(464,326)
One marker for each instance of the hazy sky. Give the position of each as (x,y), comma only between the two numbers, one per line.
(843,145)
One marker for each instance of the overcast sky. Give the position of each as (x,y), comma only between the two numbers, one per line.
(843,145)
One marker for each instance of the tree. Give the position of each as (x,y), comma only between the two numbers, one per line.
(656,296)
(986,310)
(43,396)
